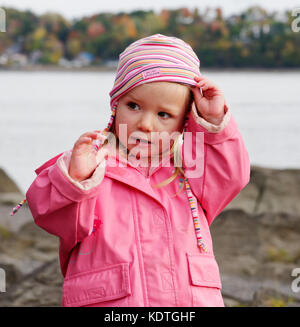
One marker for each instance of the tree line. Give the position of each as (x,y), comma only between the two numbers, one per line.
(253,38)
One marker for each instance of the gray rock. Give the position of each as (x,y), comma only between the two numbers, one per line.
(270,297)
(43,287)
(7,185)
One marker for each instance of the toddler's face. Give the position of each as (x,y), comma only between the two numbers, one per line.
(147,111)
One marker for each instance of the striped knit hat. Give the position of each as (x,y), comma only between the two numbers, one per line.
(152,59)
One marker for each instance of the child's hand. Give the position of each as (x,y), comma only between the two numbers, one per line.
(210,103)
(83,160)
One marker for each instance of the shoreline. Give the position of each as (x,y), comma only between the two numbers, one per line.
(253,167)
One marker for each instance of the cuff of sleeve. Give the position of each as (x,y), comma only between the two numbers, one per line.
(209,126)
(213,134)
(70,188)
(64,162)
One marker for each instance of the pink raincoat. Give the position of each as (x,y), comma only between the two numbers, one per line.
(124,243)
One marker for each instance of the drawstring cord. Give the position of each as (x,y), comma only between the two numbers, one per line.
(17,207)
(193,204)
(194,210)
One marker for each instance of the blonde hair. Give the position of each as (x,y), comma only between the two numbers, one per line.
(175,150)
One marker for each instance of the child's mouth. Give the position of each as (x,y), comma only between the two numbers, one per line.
(142,141)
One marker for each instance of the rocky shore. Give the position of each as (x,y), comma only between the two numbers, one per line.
(256,243)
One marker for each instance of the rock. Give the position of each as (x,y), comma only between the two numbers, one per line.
(270,191)
(258,292)
(11,199)
(12,274)
(245,200)
(21,253)
(7,185)
(10,193)
(280,193)
(228,302)
(256,239)
(14,223)
(43,287)
(267,297)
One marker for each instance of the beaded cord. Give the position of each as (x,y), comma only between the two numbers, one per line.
(17,207)
(193,204)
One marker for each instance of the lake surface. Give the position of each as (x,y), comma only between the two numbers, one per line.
(44,113)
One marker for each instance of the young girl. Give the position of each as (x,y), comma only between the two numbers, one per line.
(133,224)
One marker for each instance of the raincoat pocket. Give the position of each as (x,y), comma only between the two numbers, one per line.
(205,280)
(107,286)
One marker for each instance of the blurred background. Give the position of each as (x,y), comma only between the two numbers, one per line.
(57,66)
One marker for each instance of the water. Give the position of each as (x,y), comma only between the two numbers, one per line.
(44,113)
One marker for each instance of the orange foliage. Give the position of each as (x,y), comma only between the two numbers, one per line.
(185,12)
(165,15)
(95,29)
(74,35)
(129,26)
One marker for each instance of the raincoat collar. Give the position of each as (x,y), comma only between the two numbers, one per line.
(117,168)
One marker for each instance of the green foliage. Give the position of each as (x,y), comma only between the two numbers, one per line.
(4,233)
(279,255)
(255,38)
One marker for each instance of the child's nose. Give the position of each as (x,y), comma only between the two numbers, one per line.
(146,123)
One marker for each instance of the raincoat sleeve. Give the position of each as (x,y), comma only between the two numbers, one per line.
(222,166)
(60,207)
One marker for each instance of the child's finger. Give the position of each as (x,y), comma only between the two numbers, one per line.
(205,87)
(198,78)
(201,84)
(206,84)
(204,80)
(197,94)
(89,134)
(83,140)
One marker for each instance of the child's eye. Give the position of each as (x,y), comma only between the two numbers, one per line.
(164,114)
(133,105)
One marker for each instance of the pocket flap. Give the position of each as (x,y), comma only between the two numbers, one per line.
(108,283)
(204,270)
